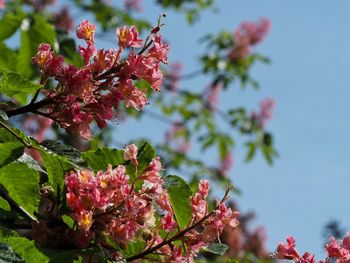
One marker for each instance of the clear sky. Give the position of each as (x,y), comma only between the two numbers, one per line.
(309,46)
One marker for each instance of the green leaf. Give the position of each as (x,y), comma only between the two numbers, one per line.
(38,31)
(6,214)
(3,115)
(70,152)
(22,184)
(62,256)
(12,84)
(68,221)
(251,151)
(99,159)
(9,24)
(27,250)
(7,254)
(179,194)
(133,248)
(7,57)
(56,167)
(9,152)
(32,163)
(145,155)
(217,248)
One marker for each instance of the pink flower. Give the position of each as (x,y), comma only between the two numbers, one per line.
(159,50)
(84,220)
(163,201)
(133,5)
(63,20)
(168,223)
(130,154)
(46,60)
(248,34)
(94,91)
(265,113)
(132,95)
(307,258)
(227,216)
(198,205)
(193,249)
(213,94)
(128,37)
(203,188)
(254,32)
(88,52)
(288,251)
(346,241)
(152,180)
(176,255)
(226,164)
(2,4)
(86,31)
(334,249)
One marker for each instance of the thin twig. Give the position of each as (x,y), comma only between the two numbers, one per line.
(158,117)
(191,75)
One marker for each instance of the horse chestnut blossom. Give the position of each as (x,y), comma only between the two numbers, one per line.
(265,112)
(225,164)
(130,154)
(95,91)
(247,35)
(212,95)
(109,205)
(338,251)
(133,5)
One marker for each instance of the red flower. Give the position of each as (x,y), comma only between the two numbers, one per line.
(288,251)
(128,37)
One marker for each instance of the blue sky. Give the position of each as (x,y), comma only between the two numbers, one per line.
(309,48)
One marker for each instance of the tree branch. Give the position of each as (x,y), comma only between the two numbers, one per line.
(31,107)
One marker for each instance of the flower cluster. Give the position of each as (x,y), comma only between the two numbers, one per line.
(95,90)
(337,251)
(247,35)
(109,205)
(2,4)
(39,5)
(212,95)
(226,164)
(133,5)
(62,19)
(245,239)
(265,112)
